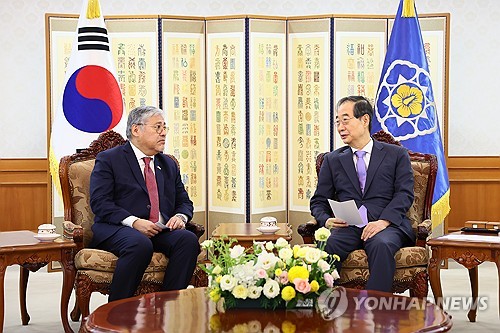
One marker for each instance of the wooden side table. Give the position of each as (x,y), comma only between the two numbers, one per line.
(21,248)
(246,233)
(469,250)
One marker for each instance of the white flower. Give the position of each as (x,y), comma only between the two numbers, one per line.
(269,246)
(322,234)
(271,289)
(323,265)
(227,282)
(335,274)
(312,255)
(285,253)
(270,328)
(281,243)
(206,244)
(240,291)
(244,273)
(266,260)
(254,292)
(254,326)
(236,251)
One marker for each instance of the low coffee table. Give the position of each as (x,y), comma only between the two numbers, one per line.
(21,248)
(246,233)
(469,250)
(191,310)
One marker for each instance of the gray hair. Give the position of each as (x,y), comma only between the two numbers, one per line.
(140,115)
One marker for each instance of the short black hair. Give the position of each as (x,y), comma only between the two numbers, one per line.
(362,106)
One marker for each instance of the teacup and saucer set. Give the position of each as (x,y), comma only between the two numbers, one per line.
(268,225)
(46,233)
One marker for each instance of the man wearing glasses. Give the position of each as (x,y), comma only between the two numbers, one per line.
(379,178)
(141,207)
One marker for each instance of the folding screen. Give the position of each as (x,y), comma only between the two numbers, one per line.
(249,99)
(183,87)
(309,105)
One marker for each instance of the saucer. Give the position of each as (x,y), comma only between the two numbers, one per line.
(268,230)
(46,237)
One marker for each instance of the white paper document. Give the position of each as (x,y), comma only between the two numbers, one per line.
(346,211)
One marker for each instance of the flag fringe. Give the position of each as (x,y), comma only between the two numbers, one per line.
(54,171)
(93,9)
(440,209)
(408,8)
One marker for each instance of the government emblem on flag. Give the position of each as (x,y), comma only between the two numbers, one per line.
(405,106)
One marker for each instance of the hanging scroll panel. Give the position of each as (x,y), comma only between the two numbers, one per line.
(360,46)
(226,113)
(309,109)
(183,54)
(134,47)
(267,119)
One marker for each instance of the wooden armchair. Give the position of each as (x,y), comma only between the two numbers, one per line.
(94,268)
(411,262)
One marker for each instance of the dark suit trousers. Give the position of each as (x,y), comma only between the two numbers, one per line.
(134,251)
(380,250)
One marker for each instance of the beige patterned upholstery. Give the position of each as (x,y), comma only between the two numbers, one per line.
(95,267)
(411,262)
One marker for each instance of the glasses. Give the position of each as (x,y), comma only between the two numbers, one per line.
(158,127)
(344,121)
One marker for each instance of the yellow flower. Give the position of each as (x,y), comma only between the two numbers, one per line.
(314,286)
(240,291)
(288,293)
(217,270)
(322,234)
(407,100)
(288,327)
(214,295)
(303,251)
(298,272)
(278,272)
(296,249)
(218,278)
(215,323)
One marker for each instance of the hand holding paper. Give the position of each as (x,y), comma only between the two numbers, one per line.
(346,211)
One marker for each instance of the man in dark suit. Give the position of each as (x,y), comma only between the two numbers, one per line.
(132,187)
(380,181)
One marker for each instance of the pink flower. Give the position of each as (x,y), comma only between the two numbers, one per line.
(261,274)
(284,277)
(328,280)
(301,285)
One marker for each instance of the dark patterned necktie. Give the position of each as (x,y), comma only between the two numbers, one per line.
(149,177)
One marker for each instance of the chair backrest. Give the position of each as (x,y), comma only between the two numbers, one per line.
(424,171)
(74,175)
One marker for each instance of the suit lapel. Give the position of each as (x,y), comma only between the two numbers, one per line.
(159,175)
(134,165)
(348,164)
(377,157)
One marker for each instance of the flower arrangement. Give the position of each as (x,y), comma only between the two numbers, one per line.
(274,273)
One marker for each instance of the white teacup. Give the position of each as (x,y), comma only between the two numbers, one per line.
(46,228)
(268,221)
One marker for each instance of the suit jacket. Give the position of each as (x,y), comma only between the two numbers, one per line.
(388,189)
(118,190)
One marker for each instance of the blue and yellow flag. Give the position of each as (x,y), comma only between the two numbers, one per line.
(405,106)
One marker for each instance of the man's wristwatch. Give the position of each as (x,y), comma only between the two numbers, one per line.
(182,217)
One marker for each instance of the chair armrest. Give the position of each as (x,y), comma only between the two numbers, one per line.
(74,232)
(306,230)
(424,230)
(195,228)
